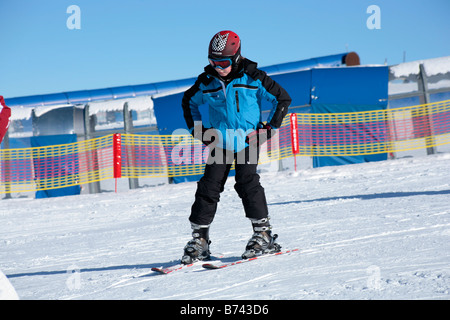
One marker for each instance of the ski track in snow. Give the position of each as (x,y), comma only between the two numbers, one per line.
(365,231)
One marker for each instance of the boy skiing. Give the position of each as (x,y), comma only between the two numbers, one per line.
(233,87)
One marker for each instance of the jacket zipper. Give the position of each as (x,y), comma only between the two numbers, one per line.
(237,101)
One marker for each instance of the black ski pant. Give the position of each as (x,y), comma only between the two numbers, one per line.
(213,181)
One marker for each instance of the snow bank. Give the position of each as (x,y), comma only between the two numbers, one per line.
(376,230)
(21,113)
(432,67)
(7,291)
(137,104)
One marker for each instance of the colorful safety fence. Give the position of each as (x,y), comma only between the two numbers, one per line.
(149,156)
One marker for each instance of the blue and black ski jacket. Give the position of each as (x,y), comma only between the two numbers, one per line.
(235,103)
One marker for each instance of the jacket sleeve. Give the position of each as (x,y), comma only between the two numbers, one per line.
(5,114)
(192,99)
(275,94)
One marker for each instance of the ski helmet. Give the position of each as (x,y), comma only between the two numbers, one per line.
(225,44)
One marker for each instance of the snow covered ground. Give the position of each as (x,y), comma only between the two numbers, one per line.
(365,231)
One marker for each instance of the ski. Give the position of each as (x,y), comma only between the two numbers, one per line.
(180,266)
(213,266)
(173,268)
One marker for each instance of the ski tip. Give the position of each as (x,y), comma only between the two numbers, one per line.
(159,270)
(210,266)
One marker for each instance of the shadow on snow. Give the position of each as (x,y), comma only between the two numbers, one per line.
(383,195)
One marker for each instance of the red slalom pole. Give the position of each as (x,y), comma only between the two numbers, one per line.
(117,157)
(294,138)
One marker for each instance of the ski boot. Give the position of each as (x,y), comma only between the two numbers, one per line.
(262,241)
(197,248)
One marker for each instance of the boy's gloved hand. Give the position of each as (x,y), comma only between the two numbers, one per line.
(260,136)
(205,135)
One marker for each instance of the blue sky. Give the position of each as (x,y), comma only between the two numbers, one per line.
(143,41)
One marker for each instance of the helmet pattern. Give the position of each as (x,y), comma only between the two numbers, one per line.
(219,42)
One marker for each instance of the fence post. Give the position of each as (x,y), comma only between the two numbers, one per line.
(117,157)
(7,167)
(131,154)
(423,87)
(89,126)
(294,138)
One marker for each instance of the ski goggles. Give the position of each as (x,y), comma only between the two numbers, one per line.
(220,63)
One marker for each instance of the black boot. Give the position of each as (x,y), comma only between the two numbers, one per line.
(197,248)
(262,241)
